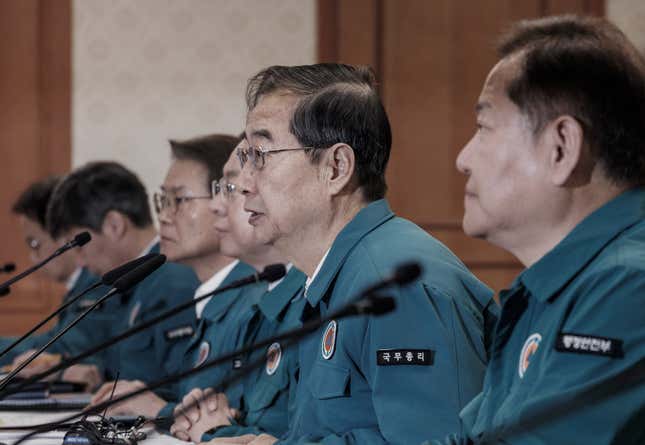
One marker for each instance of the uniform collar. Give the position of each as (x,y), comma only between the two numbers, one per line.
(275,301)
(218,306)
(210,285)
(368,219)
(554,270)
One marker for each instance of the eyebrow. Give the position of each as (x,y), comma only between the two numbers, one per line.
(261,133)
(171,189)
(231,174)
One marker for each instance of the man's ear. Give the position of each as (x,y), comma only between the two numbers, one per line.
(337,167)
(114,225)
(567,158)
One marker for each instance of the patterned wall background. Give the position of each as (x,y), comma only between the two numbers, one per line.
(629,15)
(145,71)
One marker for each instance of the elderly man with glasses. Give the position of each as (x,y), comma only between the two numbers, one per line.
(267,390)
(187,236)
(313,180)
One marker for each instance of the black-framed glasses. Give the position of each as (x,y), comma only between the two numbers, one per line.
(221,186)
(170,201)
(33,243)
(257,155)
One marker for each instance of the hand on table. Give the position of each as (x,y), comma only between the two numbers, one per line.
(210,410)
(147,404)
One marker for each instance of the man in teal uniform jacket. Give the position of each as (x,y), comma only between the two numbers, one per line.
(313,178)
(267,391)
(31,208)
(555,175)
(187,235)
(111,203)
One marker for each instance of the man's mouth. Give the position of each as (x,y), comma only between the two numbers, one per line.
(254,216)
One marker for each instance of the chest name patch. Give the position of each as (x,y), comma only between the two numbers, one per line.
(401,357)
(587,344)
(180,332)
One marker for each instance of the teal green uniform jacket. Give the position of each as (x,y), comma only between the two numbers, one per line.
(403,376)
(90,330)
(221,329)
(150,355)
(268,392)
(568,358)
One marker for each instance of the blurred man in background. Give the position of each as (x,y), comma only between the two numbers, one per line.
(31,208)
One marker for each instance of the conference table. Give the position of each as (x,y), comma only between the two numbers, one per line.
(25,418)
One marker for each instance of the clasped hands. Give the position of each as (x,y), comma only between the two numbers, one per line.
(203,410)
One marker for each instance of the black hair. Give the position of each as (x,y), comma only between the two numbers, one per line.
(33,201)
(339,104)
(586,68)
(212,151)
(86,195)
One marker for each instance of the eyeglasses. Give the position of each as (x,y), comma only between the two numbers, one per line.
(33,244)
(226,188)
(257,155)
(169,201)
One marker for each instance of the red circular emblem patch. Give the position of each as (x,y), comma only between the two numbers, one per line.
(274,354)
(204,349)
(329,340)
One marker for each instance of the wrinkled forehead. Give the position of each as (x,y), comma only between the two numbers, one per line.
(506,70)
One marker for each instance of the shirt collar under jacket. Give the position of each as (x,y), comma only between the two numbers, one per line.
(559,266)
(153,246)
(73,278)
(210,285)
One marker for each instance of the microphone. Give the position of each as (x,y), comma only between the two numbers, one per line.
(8,268)
(371,303)
(403,274)
(270,273)
(367,302)
(107,279)
(78,241)
(122,284)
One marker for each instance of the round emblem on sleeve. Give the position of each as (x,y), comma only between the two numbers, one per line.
(274,354)
(133,313)
(530,347)
(204,349)
(329,340)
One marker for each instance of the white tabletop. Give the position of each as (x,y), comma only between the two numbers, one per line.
(25,418)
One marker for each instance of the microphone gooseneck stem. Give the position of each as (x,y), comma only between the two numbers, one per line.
(292,336)
(32,269)
(60,309)
(33,356)
(106,344)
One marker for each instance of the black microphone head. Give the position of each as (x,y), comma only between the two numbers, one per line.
(406,273)
(373,305)
(381,305)
(110,277)
(81,239)
(273,272)
(4,290)
(9,267)
(133,277)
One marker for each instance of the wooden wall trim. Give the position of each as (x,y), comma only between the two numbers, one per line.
(327,30)
(55,84)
